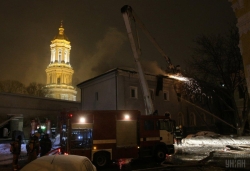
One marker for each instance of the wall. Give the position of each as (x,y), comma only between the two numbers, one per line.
(99,93)
(33,107)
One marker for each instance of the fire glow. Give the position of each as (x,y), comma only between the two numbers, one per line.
(178,77)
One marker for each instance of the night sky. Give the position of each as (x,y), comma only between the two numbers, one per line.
(98,35)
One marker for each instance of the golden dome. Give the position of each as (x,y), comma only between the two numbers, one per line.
(61,34)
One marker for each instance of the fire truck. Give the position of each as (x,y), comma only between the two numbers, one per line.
(115,135)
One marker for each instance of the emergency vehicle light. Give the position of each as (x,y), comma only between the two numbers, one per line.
(126,117)
(82,120)
(70,115)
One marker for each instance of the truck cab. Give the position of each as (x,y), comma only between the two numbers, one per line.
(156,136)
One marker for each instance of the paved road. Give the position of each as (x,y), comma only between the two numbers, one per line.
(8,167)
(150,165)
(142,165)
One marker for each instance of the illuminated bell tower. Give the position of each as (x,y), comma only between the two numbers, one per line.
(59,71)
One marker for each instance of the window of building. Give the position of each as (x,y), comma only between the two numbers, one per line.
(66,80)
(204,118)
(59,55)
(50,79)
(65,57)
(180,118)
(212,120)
(203,98)
(166,95)
(241,92)
(63,96)
(58,80)
(192,119)
(149,125)
(210,99)
(133,92)
(96,96)
(66,97)
(178,97)
(152,94)
(68,57)
(53,55)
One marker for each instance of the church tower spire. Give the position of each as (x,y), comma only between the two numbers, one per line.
(59,71)
(61,29)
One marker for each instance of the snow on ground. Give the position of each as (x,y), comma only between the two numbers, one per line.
(196,147)
(6,155)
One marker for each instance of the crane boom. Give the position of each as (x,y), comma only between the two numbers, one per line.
(127,10)
(127,14)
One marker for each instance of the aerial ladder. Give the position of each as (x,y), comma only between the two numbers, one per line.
(128,16)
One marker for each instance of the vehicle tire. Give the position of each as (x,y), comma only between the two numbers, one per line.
(160,154)
(101,159)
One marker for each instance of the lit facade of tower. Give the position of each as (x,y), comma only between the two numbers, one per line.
(59,71)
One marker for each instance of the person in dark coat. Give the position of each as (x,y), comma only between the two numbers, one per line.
(33,147)
(16,150)
(178,135)
(45,144)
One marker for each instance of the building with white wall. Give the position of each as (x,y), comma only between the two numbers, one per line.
(120,89)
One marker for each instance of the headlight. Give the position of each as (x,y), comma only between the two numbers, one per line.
(82,120)
(126,117)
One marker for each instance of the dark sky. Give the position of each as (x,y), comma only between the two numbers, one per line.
(98,36)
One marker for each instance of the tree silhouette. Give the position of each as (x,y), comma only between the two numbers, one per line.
(34,89)
(217,69)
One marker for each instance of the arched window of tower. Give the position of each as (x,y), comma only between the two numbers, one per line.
(58,80)
(65,57)
(53,55)
(69,57)
(50,79)
(60,55)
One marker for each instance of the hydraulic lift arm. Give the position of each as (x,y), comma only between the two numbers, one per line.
(127,14)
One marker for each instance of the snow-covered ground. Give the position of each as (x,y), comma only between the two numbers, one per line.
(199,146)
(6,156)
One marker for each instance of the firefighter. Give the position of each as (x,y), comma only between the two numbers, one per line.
(33,147)
(45,144)
(178,135)
(15,149)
